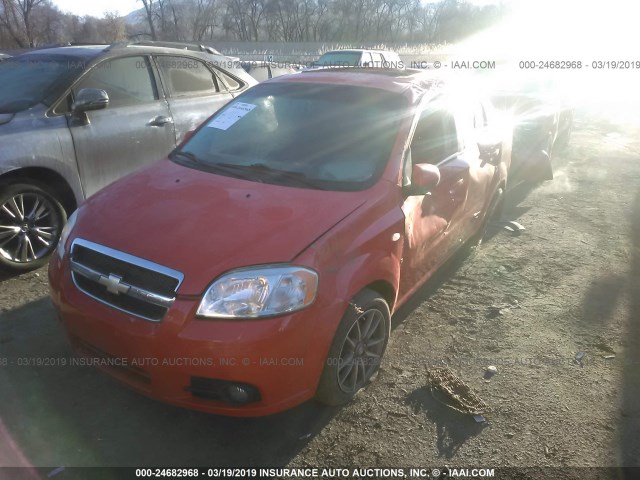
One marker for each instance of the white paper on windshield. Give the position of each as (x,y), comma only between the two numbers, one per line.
(230,116)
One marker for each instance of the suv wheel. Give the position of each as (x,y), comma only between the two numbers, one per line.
(357,349)
(31,221)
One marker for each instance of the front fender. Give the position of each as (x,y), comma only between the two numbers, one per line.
(363,249)
(45,143)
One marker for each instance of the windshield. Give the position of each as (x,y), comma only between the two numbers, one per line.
(29,80)
(316,136)
(339,59)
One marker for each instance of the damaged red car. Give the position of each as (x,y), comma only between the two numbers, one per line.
(260,264)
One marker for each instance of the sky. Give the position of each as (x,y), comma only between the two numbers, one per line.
(97,8)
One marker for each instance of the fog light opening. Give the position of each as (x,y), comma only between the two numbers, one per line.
(238,394)
(233,393)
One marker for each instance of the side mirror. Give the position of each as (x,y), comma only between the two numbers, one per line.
(424,178)
(490,151)
(89,99)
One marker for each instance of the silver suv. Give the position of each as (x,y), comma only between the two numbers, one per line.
(74,119)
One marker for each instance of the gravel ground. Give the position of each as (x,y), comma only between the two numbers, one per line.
(526,304)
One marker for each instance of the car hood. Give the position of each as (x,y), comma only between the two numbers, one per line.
(203,224)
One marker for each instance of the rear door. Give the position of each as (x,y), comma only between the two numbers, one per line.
(195,91)
(474,126)
(134,130)
(533,134)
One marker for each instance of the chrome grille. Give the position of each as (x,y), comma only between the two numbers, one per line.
(122,281)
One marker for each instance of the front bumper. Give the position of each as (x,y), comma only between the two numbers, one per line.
(282,357)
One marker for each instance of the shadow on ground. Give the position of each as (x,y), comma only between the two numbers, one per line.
(453,429)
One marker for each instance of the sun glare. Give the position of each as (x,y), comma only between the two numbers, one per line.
(599,44)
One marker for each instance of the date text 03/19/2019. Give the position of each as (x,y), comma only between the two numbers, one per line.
(579,65)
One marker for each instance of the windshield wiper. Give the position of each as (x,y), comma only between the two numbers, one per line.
(187,155)
(273,173)
(249,172)
(234,170)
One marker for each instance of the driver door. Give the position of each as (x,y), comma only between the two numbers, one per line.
(432,219)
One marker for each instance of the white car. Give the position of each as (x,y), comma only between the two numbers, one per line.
(359,58)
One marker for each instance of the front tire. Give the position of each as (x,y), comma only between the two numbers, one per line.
(357,349)
(31,220)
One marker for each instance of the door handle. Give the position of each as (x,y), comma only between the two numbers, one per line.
(160,121)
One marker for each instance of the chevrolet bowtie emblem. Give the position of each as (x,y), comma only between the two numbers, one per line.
(113,284)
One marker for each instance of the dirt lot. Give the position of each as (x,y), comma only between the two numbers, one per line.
(527,304)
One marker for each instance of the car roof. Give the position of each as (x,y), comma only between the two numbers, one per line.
(84,51)
(87,52)
(412,83)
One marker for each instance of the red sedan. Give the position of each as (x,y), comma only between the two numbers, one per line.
(259,266)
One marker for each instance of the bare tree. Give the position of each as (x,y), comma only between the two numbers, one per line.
(196,20)
(245,17)
(16,17)
(255,13)
(149,8)
(113,27)
(48,25)
(29,23)
(321,22)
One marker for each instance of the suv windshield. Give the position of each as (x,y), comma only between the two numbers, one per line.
(332,137)
(339,59)
(31,79)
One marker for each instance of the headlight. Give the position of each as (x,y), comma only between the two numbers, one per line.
(260,292)
(64,236)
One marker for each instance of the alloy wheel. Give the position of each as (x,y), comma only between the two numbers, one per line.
(362,351)
(29,227)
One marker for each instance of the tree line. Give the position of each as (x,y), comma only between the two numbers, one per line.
(33,23)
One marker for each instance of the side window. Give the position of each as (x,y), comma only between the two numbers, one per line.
(435,138)
(127,81)
(187,76)
(229,81)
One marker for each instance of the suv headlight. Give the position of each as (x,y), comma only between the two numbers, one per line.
(260,292)
(64,235)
